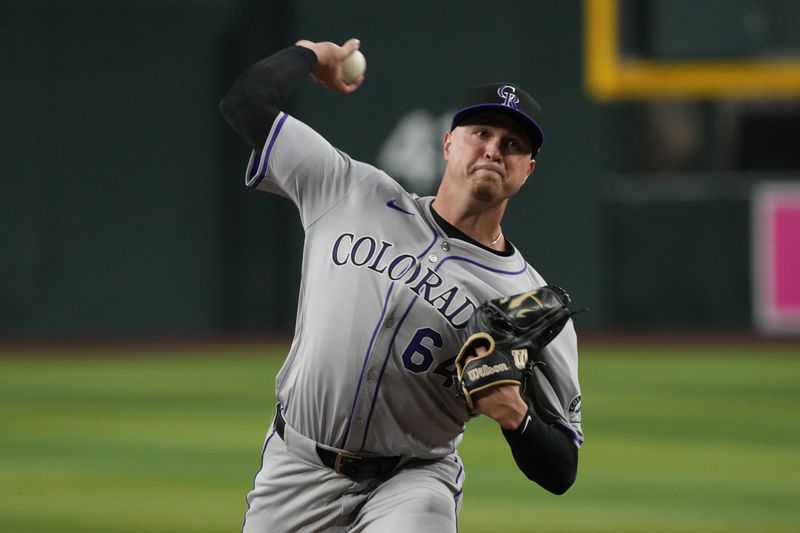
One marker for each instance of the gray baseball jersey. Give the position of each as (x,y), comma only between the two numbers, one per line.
(384,299)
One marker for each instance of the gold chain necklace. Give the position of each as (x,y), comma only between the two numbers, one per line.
(498,237)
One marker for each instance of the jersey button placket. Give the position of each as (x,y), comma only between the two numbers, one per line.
(367,391)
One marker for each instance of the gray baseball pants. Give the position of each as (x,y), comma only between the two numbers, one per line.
(293,491)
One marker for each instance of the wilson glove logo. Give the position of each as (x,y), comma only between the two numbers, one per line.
(484,371)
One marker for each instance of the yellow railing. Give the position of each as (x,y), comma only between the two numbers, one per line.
(610,76)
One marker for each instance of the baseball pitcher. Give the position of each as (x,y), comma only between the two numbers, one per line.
(415,315)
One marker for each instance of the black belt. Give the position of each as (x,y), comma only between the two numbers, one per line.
(351,465)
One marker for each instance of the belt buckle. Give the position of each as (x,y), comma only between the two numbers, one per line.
(337,463)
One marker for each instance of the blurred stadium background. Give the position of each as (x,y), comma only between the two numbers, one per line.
(147,296)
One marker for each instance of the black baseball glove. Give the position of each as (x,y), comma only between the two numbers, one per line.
(513,329)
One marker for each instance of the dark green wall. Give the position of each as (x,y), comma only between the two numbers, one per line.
(123,210)
(111,167)
(678,251)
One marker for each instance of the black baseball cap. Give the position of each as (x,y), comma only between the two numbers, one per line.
(508,99)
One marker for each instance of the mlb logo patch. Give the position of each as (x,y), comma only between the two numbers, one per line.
(574,411)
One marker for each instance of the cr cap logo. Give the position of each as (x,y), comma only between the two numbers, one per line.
(509,95)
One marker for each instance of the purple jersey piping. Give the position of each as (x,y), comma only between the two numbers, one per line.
(364,364)
(457,481)
(481,265)
(408,310)
(261,171)
(570,431)
(383,368)
(389,351)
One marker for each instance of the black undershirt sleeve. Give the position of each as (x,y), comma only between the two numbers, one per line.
(256,98)
(545,453)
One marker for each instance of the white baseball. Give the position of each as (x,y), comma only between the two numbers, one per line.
(354,66)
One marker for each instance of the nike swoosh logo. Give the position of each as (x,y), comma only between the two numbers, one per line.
(393,204)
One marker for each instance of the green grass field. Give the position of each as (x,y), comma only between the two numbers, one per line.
(677,439)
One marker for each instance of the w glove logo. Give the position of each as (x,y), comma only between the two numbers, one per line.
(520,358)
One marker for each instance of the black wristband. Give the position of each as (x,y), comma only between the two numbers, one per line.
(544,453)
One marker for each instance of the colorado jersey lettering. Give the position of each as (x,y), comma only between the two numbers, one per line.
(406,269)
